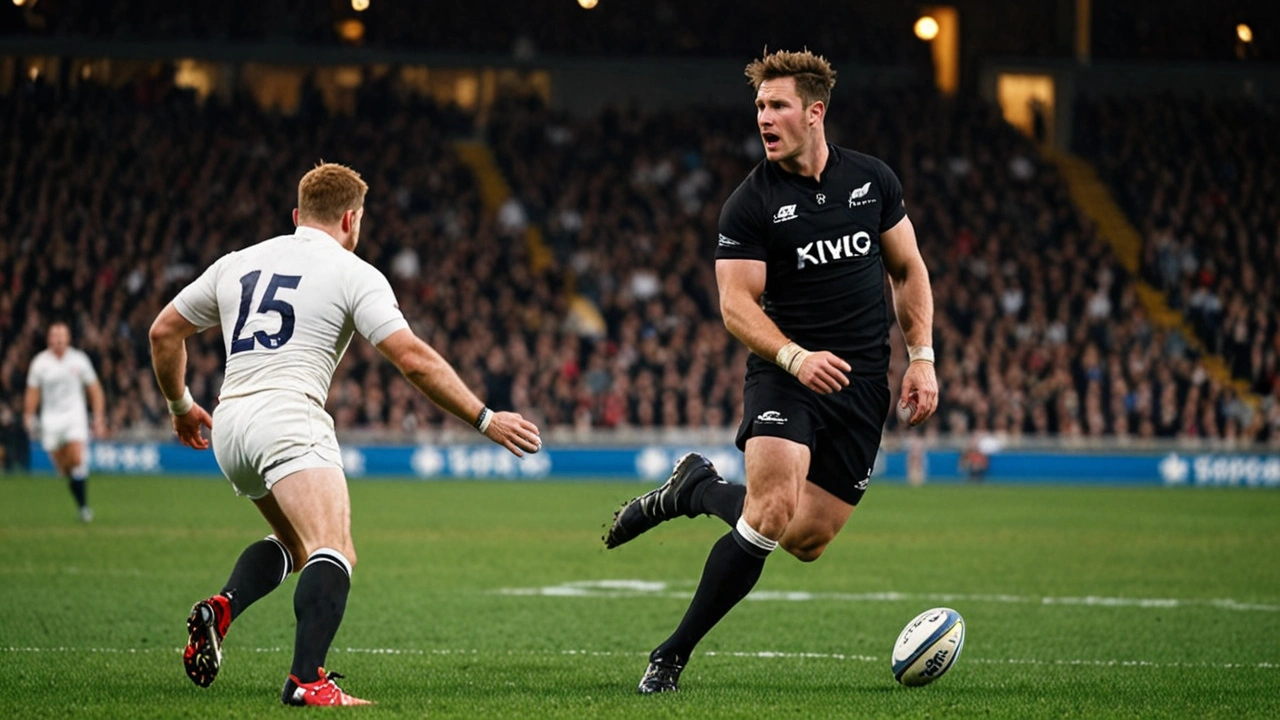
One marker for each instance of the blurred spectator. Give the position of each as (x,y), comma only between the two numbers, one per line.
(974,461)
(15,449)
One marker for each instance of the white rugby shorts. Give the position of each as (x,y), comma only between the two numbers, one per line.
(58,430)
(261,438)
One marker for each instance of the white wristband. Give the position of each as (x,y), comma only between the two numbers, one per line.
(920,353)
(183,405)
(790,357)
(482,422)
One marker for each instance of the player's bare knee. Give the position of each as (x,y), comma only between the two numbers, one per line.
(770,514)
(807,544)
(806,551)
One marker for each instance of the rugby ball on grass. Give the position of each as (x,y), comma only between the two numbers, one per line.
(928,646)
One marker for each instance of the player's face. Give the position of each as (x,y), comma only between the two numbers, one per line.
(59,339)
(783,119)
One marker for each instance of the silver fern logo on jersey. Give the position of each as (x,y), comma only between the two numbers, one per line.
(858,196)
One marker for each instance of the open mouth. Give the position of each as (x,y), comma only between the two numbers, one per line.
(771,140)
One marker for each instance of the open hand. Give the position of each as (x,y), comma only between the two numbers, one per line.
(513,432)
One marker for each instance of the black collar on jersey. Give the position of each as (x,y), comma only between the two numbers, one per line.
(833,159)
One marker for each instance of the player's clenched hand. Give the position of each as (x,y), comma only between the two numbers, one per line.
(188,424)
(920,386)
(514,433)
(823,372)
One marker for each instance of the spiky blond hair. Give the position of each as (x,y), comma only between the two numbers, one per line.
(813,74)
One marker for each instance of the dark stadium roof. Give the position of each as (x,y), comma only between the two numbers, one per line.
(871,32)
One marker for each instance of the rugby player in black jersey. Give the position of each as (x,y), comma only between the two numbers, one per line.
(805,243)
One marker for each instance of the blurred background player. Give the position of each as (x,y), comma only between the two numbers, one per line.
(57,382)
(288,308)
(804,245)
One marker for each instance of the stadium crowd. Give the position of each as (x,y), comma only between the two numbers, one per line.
(1038,327)
(1199,177)
(112,199)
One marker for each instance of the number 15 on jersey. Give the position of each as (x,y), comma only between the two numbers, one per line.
(269,304)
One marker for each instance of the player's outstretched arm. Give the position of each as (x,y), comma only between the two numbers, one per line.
(169,335)
(913,303)
(741,284)
(434,377)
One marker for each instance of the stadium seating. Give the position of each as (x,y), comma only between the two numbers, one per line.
(1038,326)
(1198,177)
(1038,329)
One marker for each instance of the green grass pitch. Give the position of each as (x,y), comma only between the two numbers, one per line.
(495,600)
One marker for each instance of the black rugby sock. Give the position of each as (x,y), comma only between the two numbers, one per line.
(720,498)
(730,573)
(261,568)
(79,484)
(318,603)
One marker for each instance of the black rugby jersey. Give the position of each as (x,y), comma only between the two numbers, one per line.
(821,242)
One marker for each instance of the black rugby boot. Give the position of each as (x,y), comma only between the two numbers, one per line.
(662,675)
(670,500)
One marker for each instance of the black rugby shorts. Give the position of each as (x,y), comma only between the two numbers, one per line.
(842,429)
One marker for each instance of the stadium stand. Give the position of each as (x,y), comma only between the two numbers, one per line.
(1038,325)
(1198,177)
(113,199)
(1038,329)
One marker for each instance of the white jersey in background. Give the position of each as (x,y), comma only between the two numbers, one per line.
(288,307)
(61,382)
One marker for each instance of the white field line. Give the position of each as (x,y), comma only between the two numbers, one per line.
(631,588)
(761,655)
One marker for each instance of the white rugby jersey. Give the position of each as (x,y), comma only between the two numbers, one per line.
(62,382)
(288,307)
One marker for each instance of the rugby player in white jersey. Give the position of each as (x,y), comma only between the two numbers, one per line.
(288,307)
(56,385)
